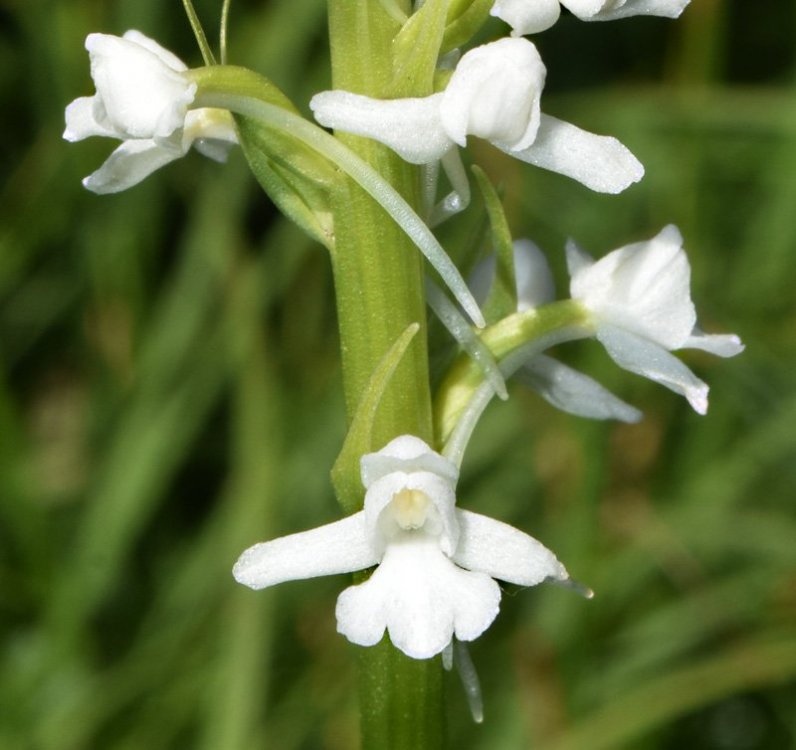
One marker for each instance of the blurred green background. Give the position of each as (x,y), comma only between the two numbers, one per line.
(170,394)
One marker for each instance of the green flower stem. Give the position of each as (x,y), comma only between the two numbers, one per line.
(508,340)
(379,283)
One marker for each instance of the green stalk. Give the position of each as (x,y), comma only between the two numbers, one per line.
(379,286)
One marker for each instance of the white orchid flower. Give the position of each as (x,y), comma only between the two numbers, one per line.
(640,302)
(143,98)
(532,16)
(560,385)
(436,563)
(494,94)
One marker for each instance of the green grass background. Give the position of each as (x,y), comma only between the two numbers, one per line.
(170,394)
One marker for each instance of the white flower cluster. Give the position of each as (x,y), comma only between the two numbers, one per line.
(436,566)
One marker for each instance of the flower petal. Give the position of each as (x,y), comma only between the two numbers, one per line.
(665,8)
(643,287)
(410,127)
(405,453)
(380,521)
(720,344)
(599,162)
(503,552)
(138,94)
(129,164)
(81,123)
(339,547)
(211,131)
(421,598)
(165,56)
(494,94)
(647,358)
(574,392)
(535,286)
(527,16)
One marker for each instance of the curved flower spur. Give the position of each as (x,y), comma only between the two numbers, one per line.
(436,563)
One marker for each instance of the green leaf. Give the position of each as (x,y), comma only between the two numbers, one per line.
(345,472)
(465,19)
(502,299)
(293,176)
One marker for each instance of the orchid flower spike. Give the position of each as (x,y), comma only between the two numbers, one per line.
(532,16)
(640,303)
(560,385)
(143,99)
(436,564)
(494,93)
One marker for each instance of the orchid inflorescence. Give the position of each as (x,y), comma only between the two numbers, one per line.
(435,565)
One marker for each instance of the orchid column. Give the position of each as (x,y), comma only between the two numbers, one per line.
(379,282)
